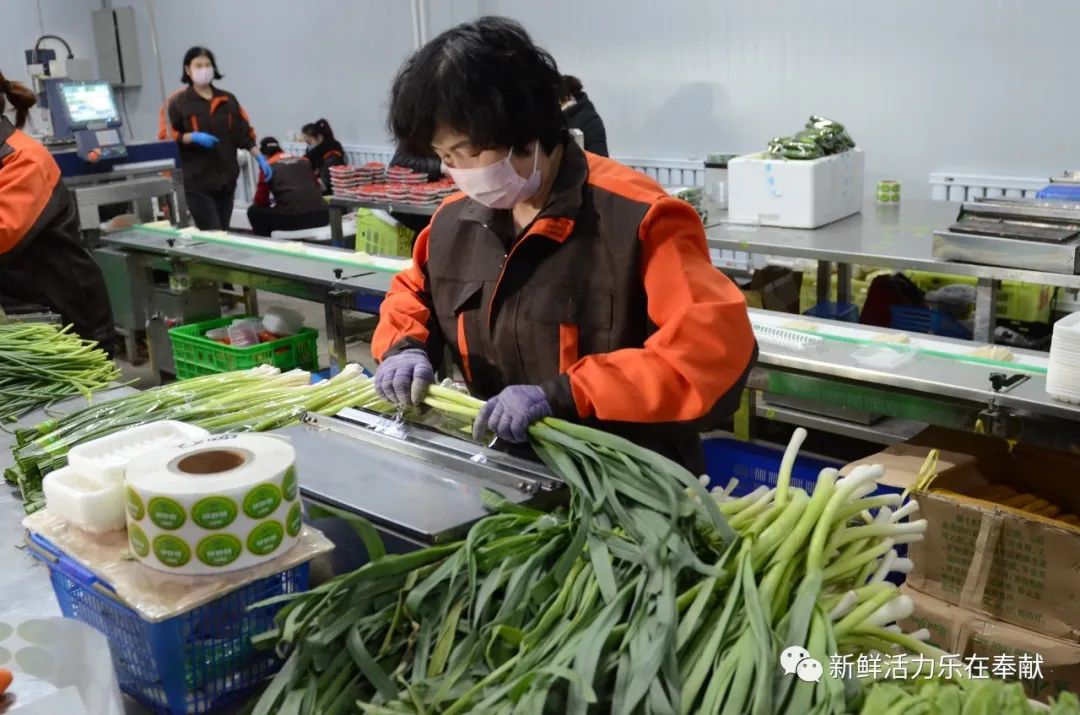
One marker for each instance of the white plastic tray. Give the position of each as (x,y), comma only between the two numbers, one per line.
(104,460)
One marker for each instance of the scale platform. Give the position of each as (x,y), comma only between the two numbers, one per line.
(1033,234)
(411,481)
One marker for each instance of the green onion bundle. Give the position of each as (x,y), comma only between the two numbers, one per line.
(41,364)
(958,697)
(645,595)
(246,401)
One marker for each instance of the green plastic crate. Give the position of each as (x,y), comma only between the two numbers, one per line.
(195,354)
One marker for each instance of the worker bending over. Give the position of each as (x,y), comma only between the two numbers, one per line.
(294,187)
(42,258)
(563,283)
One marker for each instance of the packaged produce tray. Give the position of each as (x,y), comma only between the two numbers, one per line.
(195,354)
(195,662)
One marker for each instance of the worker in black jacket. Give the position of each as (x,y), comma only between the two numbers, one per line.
(297,199)
(209,125)
(581,114)
(324,151)
(42,258)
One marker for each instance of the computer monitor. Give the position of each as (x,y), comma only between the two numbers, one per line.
(89,105)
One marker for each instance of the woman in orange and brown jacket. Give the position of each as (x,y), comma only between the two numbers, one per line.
(209,125)
(42,258)
(563,283)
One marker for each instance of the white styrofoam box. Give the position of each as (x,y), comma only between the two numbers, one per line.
(86,503)
(795,193)
(104,460)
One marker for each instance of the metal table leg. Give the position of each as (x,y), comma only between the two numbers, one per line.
(843,283)
(335,334)
(986,295)
(179,199)
(824,282)
(337,231)
(251,302)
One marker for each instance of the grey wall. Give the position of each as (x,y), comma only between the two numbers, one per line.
(965,85)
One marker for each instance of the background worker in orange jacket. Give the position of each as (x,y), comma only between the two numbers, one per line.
(563,283)
(209,125)
(297,198)
(42,258)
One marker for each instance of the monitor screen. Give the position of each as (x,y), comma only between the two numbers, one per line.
(90,103)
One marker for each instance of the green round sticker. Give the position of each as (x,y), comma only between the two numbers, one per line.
(138,541)
(214,512)
(262,501)
(166,513)
(288,484)
(135,506)
(295,520)
(265,538)
(218,550)
(171,551)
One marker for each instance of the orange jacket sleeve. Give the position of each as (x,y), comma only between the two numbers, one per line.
(406,317)
(703,343)
(26,186)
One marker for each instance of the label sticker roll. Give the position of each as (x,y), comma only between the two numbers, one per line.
(220,504)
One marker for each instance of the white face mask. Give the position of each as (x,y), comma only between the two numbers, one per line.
(498,186)
(202,76)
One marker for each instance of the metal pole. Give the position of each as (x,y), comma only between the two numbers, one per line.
(986,294)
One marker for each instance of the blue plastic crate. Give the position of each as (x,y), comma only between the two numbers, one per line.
(847,312)
(196,662)
(756,465)
(924,320)
(1059,192)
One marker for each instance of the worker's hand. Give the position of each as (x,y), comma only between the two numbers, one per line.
(206,141)
(510,413)
(404,378)
(264,164)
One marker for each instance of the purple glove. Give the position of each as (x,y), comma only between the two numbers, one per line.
(510,413)
(404,378)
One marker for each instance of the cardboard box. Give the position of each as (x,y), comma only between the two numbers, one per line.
(1015,566)
(967,633)
(902,463)
(796,194)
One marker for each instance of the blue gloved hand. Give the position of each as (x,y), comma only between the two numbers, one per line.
(403,378)
(264,164)
(206,141)
(510,413)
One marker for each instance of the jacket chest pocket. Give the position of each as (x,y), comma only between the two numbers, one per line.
(578,322)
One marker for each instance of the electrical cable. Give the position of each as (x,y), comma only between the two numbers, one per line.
(37,45)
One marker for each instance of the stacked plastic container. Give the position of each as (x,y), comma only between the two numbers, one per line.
(1063,374)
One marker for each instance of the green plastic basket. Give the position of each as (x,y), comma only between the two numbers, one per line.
(195,354)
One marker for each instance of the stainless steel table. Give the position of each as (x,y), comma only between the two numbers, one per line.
(337,287)
(338,205)
(893,236)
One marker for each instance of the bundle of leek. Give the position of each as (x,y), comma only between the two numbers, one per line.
(645,595)
(41,364)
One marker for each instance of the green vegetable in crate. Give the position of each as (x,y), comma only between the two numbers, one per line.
(645,595)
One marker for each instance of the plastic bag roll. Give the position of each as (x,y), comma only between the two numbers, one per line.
(219,504)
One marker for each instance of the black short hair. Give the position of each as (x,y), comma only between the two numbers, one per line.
(571,87)
(191,54)
(270,146)
(485,79)
(319,128)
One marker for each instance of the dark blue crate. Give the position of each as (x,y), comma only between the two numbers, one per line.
(756,465)
(196,662)
(847,312)
(924,320)
(1059,192)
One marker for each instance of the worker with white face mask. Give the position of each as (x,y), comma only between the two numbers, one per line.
(210,125)
(563,283)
